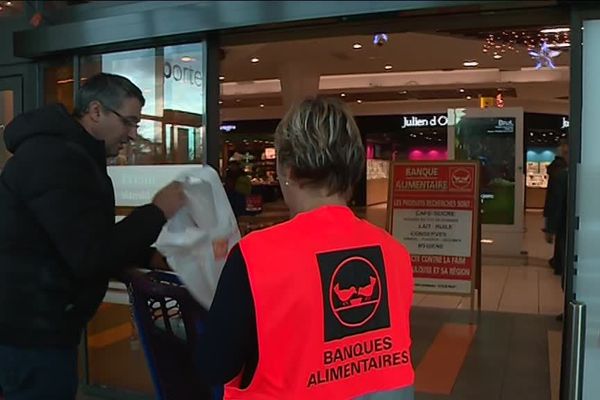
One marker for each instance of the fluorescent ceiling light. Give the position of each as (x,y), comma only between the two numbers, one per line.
(555,30)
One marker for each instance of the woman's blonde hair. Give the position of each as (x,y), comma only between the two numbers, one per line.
(321,144)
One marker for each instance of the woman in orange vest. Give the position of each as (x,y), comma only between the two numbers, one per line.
(317,307)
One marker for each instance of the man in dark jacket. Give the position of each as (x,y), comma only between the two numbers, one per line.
(59,244)
(555,212)
(555,207)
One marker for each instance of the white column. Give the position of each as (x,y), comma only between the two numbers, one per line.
(299,80)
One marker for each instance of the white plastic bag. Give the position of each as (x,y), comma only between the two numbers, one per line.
(198,238)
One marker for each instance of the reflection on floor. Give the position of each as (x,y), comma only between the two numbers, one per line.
(528,290)
(511,350)
(457,355)
(532,289)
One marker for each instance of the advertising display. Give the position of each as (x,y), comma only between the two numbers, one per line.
(491,141)
(433,211)
(136,185)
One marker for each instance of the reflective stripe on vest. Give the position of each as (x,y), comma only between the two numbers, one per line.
(332,295)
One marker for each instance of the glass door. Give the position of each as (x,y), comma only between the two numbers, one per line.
(11,104)
(581,347)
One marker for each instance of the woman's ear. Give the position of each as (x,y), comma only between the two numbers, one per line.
(284,172)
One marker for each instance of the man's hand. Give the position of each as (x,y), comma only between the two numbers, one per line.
(549,238)
(157,261)
(170,199)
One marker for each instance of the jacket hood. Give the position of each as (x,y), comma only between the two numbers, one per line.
(53,120)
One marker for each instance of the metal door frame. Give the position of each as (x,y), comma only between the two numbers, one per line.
(580,12)
(14,83)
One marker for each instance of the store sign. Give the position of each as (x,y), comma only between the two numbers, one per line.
(433,213)
(502,126)
(182,74)
(417,121)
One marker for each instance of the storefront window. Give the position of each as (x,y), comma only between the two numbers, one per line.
(172,81)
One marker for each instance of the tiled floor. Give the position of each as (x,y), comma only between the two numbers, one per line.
(508,358)
(526,290)
(531,289)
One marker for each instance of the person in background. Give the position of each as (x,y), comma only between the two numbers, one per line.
(557,187)
(238,187)
(555,211)
(317,307)
(59,244)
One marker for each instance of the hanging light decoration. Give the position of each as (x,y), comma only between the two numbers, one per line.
(496,44)
(543,57)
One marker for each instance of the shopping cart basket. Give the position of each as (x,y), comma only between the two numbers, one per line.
(169,322)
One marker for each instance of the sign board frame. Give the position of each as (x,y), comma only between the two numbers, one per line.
(445,192)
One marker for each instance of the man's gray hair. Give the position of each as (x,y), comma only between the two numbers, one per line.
(109,90)
(321,144)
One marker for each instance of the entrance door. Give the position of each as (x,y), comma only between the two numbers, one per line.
(580,377)
(11,104)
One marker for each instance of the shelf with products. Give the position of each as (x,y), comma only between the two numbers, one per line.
(537,175)
(377,169)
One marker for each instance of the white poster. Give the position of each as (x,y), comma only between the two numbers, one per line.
(433,232)
(136,185)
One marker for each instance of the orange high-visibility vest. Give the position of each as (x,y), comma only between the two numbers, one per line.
(332,295)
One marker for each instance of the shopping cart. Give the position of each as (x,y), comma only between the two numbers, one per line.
(169,322)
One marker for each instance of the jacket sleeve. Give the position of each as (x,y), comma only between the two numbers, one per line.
(556,201)
(63,191)
(229,344)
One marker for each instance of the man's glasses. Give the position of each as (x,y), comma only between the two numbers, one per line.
(130,122)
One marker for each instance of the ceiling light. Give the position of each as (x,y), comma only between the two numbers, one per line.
(262,106)
(221,78)
(187,59)
(343,94)
(359,101)
(470,63)
(254,60)
(237,100)
(497,56)
(357,46)
(560,45)
(388,67)
(461,90)
(403,92)
(220,101)
(469,97)
(555,30)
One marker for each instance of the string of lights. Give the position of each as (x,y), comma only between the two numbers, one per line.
(498,43)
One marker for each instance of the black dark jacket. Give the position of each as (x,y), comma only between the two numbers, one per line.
(59,243)
(555,209)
